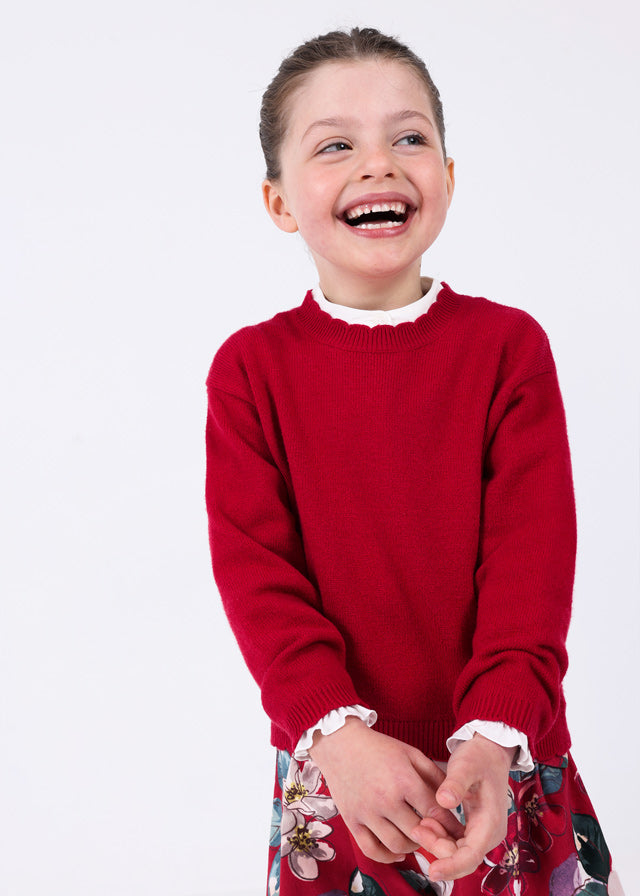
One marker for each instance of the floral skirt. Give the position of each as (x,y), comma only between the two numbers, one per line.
(554,845)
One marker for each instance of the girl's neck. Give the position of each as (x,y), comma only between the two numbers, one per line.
(376,294)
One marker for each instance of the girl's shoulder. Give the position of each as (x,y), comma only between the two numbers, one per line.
(506,332)
(241,347)
(507,317)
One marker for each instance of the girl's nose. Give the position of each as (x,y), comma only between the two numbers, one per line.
(377,162)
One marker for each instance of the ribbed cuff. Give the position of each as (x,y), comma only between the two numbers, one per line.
(523,712)
(312,707)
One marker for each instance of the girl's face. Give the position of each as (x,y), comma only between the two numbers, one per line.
(363,176)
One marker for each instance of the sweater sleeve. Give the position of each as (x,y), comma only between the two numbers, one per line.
(296,655)
(526,557)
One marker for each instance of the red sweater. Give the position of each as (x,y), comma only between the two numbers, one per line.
(392,519)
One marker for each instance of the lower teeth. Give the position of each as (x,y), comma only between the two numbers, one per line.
(379,225)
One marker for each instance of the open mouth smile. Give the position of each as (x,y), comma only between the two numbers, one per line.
(377,215)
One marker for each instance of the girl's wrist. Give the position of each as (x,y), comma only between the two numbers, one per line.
(325,744)
(507,754)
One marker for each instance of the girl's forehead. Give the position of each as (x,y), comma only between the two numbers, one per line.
(336,87)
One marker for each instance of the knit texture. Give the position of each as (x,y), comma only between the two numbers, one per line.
(392,519)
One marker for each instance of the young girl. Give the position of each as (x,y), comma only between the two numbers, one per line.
(392,520)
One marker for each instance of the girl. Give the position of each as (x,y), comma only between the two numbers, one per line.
(392,521)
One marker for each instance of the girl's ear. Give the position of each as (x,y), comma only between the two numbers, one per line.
(276,205)
(448,165)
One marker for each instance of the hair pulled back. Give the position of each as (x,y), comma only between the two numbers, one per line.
(335,46)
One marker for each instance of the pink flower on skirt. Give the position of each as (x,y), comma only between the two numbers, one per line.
(301,791)
(302,844)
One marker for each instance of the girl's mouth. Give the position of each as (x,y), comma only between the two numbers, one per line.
(377,215)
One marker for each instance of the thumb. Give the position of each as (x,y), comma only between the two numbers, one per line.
(455,787)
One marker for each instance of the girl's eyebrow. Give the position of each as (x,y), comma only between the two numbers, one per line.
(410,113)
(339,122)
(329,123)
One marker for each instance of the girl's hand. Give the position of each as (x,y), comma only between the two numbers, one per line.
(477,777)
(379,784)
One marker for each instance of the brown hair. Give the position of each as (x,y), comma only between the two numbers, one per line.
(359,43)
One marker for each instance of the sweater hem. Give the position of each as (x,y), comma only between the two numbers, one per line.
(430,737)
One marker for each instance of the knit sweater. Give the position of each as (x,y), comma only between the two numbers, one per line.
(392,520)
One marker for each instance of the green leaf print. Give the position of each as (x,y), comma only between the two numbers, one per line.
(551,778)
(593,888)
(283,763)
(363,885)
(276,819)
(592,850)
(418,881)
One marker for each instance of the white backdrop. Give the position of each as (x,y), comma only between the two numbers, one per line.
(134,751)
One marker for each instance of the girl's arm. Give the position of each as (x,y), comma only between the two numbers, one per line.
(524,580)
(526,556)
(296,655)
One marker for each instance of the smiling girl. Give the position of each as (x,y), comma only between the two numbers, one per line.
(392,520)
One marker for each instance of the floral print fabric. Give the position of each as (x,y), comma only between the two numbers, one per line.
(554,845)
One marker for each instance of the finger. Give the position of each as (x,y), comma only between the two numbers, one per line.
(427,769)
(433,827)
(391,836)
(392,824)
(425,806)
(405,817)
(423,803)
(428,808)
(485,829)
(371,846)
(460,780)
(464,861)
(447,819)
(435,841)
(453,791)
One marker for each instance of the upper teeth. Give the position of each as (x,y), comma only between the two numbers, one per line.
(398,207)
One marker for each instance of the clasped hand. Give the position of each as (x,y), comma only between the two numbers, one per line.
(394,799)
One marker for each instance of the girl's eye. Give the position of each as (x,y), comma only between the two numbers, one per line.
(338,146)
(413,140)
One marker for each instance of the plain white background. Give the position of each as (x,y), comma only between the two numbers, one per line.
(134,753)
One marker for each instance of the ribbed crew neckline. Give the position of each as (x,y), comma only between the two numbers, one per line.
(384,337)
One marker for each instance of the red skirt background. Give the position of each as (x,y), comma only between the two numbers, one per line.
(554,845)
